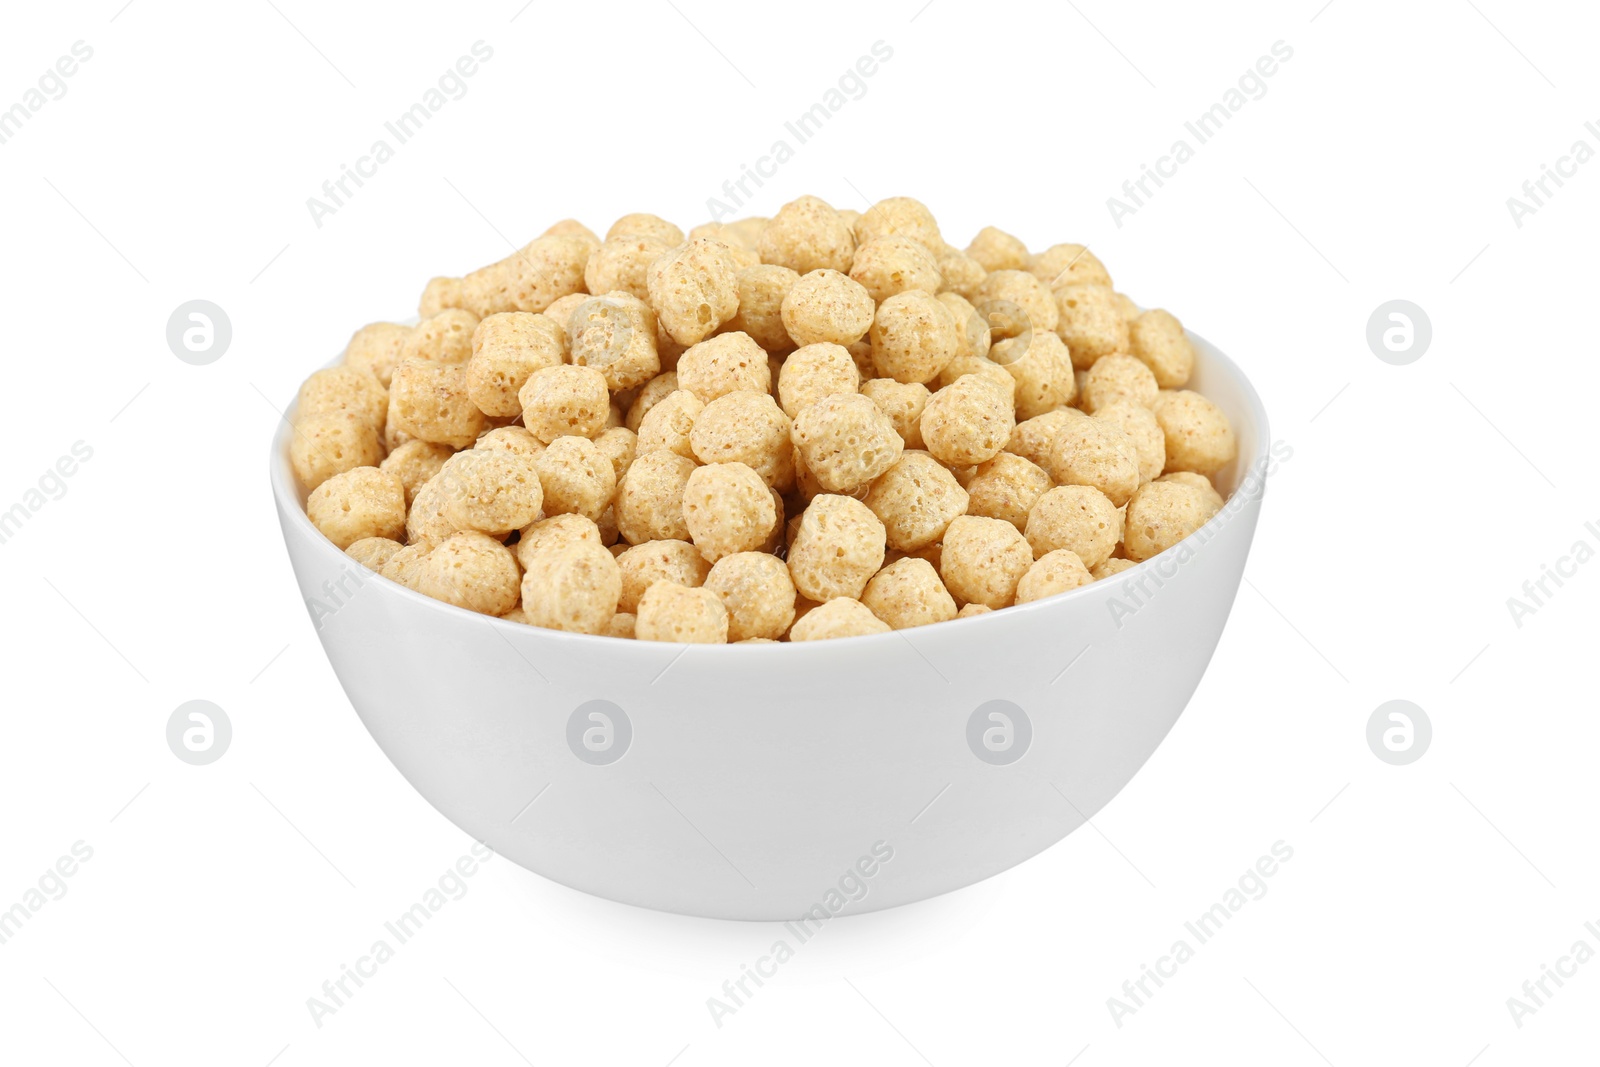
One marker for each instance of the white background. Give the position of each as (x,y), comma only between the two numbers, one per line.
(1419,498)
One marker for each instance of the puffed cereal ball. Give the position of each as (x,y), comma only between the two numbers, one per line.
(1116,378)
(563,400)
(902,216)
(375,348)
(556,532)
(1159,516)
(916,499)
(669,612)
(1042,368)
(749,428)
(837,548)
(444,338)
(727,508)
(885,266)
(618,445)
(1033,438)
(572,587)
(622,263)
(762,290)
(414,463)
(373,552)
(438,294)
(1057,571)
(491,492)
(649,503)
(908,593)
(1144,430)
(506,349)
(560,311)
(1129,309)
(647,225)
(529,279)
(959,273)
(998,250)
(669,422)
(826,305)
(645,564)
(653,392)
(839,617)
(1070,264)
(1089,451)
(1200,483)
(1199,436)
(1006,487)
(343,390)
(576,478)
(807,235)
(978,367)
(364,502)
(1157,338)
(515,439)
(903,403)
(968,421)
(983,560)
(616,335)
(694,289)
(571,228)
(914,336)
(971,610)
(1091,323)
(325,445)
(973,332)
(469,570)
(622,624)
(429,401)
(1025,291)
(1079,517)
(402,567)
(1111,567)
(814,371)
(845,440)
(723,364)
(756,589)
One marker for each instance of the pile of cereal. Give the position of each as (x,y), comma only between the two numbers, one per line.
(821,424)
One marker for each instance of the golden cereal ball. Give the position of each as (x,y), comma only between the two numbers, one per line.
(622,263)
(618,445)
(1033,437)
(996,249)
(727,508)
(1079,517)
(1200,483)
(749,428)
(1069,264)
(649,501)
(472,571)
(908,593)
(959,273)
(652,393)
(443,338)
(762,290)
(1144,430)
(861,352)
(916,499)
(814,371)
(647,225)
(616,335)
(838,547)
(373,552)
(622,624)
(807,235)
(516,615)
(1129,309)
(899,216)
(490,492)
(968,421)
(576,478)
(846,440)
(1111,568)
(1116,378)
(669,422)
(1022,289)
(375,348)
(1091,324)
(560,312)
(1042,367)
(506,349)
(425,519)
(556,532)
(914,336)
(509,439)
(746,232)
(402,567)
(885,266)
(325,445)
(572,588)
(971,610)
(675,613)
(429,401)
(646,564)
(1199,436)
(364,502)
(972,329)
(758,593)
(414,463)
(571,228)
(343,390)
(439,294)
(977,366)
(1006,487)
(1057,571)
(529,279)
(982,560)
(723,364)
(903,403)
(1160,515)
(1090,451)
(840,617)
(559,401)
(826,305)
(728,234)
(694,289)
(1156,338)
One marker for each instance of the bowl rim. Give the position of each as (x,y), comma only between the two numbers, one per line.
(286,495)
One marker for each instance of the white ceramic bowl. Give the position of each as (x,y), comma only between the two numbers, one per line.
(764,781)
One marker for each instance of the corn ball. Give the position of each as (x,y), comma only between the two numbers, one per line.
(762,290)
(1198,482)
(916,500)
(645,564)
(749,428)
(1160,515)
(576,478)
(1090,323)
(1006,487)
(1033,438)
(649,502)
(373,552)
(903,403)
(757,592)
(1143,429)
(885,266)
(1116,378)
(839,617)
(326,445)
(343,390)
(1111,568)
(968,421)
(913,336)
(469,570)
(1022,289)
(845,440)
(983,559)
(1069,264)
(1041,365)
(564,400)
(1079,517)
(997,250)
(727,508)
(837,548)
(814,371)
(1156,338)
(556,532)
(908,593)
(825,305)
(573,587)
(529,279)
(807,235)
(621,263)
(722,365)
(1057,571)
(616,335)
(899,216)
(443,338)
(375,348)
(693,289)
(439,294)
(1089,451)
(429,401)
(490,491)
(669,422)
(652,393)
(363,502)
(505,349)
(1199,436)
(618,445)
(669,612)
(959,274)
